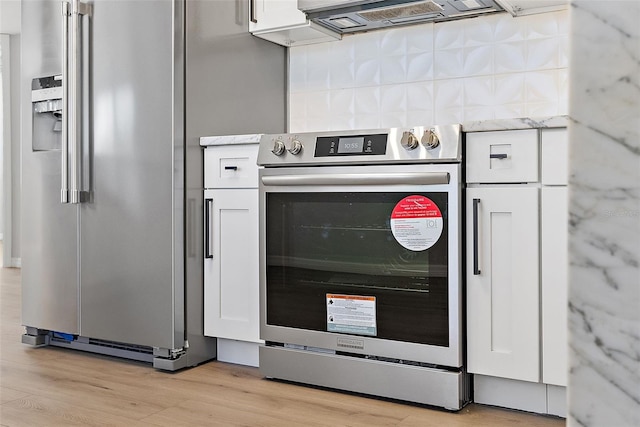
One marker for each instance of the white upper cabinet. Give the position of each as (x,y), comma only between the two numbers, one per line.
(280,21)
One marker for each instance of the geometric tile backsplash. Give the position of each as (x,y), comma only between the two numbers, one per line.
(490,67)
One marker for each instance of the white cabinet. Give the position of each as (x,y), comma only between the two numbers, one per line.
(503,285)
(554,255)
(231,292)
(517,264)
(231,264)
(280,21)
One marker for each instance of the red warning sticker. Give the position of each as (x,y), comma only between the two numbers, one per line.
(416,223)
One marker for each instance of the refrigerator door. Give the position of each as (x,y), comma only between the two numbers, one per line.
(49,228)
(131,248)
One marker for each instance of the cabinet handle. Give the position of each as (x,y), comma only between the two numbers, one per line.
(208,206)
(231,168)
(476,268)
(252,12)
(498,156)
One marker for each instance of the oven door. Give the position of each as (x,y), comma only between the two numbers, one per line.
(363,260)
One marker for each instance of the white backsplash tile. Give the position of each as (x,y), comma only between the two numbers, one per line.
(448,63)
(448,93)
(341,102)
(478,92)
(445,72)
(419,38)
(393,43)
(420,96)
(543,54)
(393,98)
(367,100)
(342,75)
(393,69)
(367,72)
(419,66)
(449,35)
(509,89)
(478,60)
(542,86)
(510,57)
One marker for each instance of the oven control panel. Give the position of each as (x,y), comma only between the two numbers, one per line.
(420,144)
(354,145)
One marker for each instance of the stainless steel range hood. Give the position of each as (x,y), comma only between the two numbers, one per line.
(351,16)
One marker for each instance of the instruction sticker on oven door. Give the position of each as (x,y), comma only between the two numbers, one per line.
(351,314)
(416,223)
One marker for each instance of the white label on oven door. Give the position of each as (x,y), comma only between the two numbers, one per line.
(416,223)
(351,314)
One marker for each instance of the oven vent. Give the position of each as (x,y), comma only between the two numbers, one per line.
(402,11)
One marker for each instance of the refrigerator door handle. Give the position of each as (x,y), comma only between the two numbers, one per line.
(74,101)
(64,186)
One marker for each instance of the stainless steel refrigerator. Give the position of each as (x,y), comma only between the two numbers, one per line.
(115,95)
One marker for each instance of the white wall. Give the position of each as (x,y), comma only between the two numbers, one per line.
(473,69)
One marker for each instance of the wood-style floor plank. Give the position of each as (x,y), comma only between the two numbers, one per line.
(58,387)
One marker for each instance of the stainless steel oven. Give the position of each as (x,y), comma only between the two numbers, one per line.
(360,276)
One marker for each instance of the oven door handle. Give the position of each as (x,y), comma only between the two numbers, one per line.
(406,178)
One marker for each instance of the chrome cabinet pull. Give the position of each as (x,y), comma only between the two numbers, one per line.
(476,267)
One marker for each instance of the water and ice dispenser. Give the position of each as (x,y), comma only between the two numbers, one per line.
(46,100)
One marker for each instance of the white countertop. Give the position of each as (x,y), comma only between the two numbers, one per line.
(514,124)
(207,141)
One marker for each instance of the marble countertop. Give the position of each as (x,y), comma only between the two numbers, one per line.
(514,124)
(207,141)
(472,126)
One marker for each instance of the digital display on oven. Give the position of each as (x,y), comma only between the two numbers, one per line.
(351,145)
(356,145)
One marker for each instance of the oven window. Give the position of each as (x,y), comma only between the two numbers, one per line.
(346,244)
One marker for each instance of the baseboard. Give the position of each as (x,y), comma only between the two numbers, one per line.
(238,352)
(16,263)
(522,395)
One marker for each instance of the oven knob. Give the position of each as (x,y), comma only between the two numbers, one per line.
(295,147)
(278,148)
(409,140)
(430,139)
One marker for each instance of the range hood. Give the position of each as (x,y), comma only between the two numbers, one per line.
(351,16)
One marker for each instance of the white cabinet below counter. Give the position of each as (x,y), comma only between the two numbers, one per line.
(231,292)
(517,263)
(281,22)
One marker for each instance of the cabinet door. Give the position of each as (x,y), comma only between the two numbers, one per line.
(231,301)
(270,14)
(554,225)
(503,295)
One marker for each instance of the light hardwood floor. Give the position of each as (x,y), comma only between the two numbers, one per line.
(58,387)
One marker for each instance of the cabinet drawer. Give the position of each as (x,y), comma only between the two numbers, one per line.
(231,166)
(502,156)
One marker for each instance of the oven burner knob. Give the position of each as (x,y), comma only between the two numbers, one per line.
(430,139)
(409,140)
(296,147)
(278,148)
